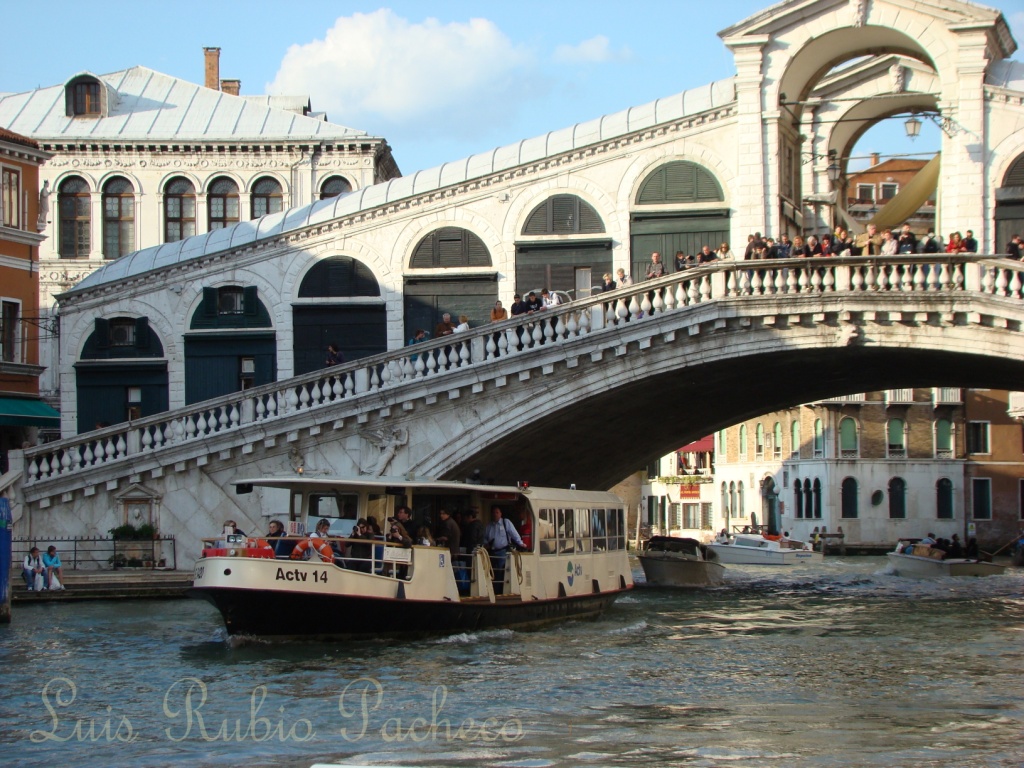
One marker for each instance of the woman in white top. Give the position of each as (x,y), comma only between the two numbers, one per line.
(463,324)
(624,279)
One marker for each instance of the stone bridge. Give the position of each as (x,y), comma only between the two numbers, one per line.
(584,393)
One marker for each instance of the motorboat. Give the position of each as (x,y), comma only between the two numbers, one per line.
(674,561)
(755,549)
(574,562)
(926,562)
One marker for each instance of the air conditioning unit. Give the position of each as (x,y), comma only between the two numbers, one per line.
(122,334)
(248,365)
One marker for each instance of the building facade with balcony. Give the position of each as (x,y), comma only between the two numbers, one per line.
(22,413)
(880,465)
(869,190)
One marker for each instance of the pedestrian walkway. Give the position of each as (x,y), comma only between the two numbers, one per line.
(121,584)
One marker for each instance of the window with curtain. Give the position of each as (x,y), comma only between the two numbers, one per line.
(896,441)
(759,442)
(798,500)
(981,498)
(848,448)
(118,218)
(74,202)
(179,210)
(819,439)
(943,439)
(266,197)
(10,192)
(816,495)
(777,447)
(334,187)
(743,442)
(794,439)
(222,203)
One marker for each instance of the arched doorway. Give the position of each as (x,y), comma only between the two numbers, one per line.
(339,302)
(1009,214)
(121,374)
(659,223)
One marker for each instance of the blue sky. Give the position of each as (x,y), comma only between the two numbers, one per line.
(440,80)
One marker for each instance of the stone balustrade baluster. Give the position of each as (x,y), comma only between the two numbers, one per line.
(33,469)
(1015,284)
(755,282)
(490,349)
(222,419)
(65,462)
(234,415)
(350,384)
(634,305)
(303,396)
(828,280)
(465,353)
(261,409)
(147,440)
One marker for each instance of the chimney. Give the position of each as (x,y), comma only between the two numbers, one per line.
(232,87)
(212,68)
(875,159)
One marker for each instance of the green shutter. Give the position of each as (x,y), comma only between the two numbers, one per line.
(102,333)
(250,304)
(209,302)
(142,333)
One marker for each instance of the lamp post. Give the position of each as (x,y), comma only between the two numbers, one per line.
(913,126)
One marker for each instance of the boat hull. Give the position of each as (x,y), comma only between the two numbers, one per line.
(730,554)
(930,568)
(667,571)
(285,614)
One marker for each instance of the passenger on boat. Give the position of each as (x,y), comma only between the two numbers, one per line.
(449,535)
(929,539)
(473,531)
(956,549)
(359,554)
(230,527)
(423,537)
(404,515)
(498,538)
(525,529)
(275,536)
(399,537)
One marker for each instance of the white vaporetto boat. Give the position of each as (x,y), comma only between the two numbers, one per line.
(673,561)
(754,549)
(924,562)
(574,564)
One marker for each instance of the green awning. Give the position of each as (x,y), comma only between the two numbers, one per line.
(27,412)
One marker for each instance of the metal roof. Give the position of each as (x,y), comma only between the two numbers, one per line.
(691,102)
(1006,74)
(145,105)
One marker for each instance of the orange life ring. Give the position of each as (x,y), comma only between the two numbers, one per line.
(321,546)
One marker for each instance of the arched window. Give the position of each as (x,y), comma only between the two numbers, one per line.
(897,498)
(777,448)
(725,502)
(84,96)
(732,500)
(896,439)
(849,498)
(450,247)
(944,499)
(943,439)
(819,439)
(798,499)
(339,277)
(743,442)
(721,443)
(266,197)
(179,210)
(679,182)
(222,203)
(75,218)
(816,494)
(759,441)
(848,444)
(563,215)
(808,500)
(794,438)
(334,186)
(741,507)
(118,218)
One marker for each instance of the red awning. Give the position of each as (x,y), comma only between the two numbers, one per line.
(704,445)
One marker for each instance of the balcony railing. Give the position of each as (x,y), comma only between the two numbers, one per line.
(899,396)
(859,398)
(947,396)
(1016,407)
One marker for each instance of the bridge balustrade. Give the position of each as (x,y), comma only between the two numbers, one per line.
(639,303)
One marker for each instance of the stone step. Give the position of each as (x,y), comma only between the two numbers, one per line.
(108,585)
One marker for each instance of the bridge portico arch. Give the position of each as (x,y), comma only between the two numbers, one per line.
(783,53)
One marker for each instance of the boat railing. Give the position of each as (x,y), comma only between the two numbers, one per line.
(375,556)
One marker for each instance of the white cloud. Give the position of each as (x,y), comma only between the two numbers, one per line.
(380,72)
(595,50)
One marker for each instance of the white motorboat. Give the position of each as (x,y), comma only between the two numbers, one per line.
(574,563)
(673,561)
(754,549)
(922,561)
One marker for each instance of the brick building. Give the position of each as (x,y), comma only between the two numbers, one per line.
(22,413)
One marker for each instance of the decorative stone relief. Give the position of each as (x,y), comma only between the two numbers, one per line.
(860,12)
(387,442)
(898,78)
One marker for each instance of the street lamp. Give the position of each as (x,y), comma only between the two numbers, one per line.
(833,171)
(913,126)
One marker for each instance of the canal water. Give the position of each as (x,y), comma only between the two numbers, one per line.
(838,664)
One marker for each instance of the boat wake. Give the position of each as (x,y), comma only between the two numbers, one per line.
(471,638)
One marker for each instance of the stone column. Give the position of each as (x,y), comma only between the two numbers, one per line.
(756,174)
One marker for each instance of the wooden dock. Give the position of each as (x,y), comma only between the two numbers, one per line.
(120,584)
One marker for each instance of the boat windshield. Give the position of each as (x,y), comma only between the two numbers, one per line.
(340,508)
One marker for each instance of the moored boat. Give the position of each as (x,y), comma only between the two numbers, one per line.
(573,562)
(925,562)
(754,549)
(673,561)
